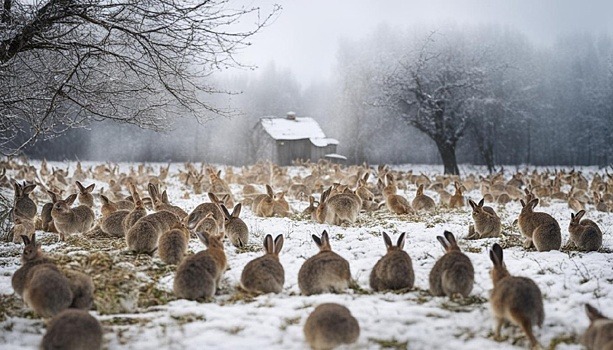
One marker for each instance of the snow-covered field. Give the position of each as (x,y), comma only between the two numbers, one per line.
(146,315)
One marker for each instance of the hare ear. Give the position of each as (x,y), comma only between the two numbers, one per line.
(226,213)
(80,186)
(204,238)
(366,176)
(481,202)
(269,191)
(29,188)
(213,198)
(165,197)
(25,239)
(387,240)
(496,254)
(279,243)
(523,204)
(325,238)
(311,200)
(401,240)
(104,199)
(268,244)
(450,238)
(443,242)
(90,188)
(152,191)
(579,215)
(17,187)
(219,173)
(317,240)
(237,210)
(592,313)
(70,200)
(533,203)
(472,204)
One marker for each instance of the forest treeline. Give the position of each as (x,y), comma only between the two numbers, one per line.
(401,97)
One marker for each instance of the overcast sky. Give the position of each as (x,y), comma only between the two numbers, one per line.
(306,33)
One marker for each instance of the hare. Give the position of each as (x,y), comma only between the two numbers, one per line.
(47,291)
(320,212)
(324,272)
(137,212)
(46,221)
(24,206)
(69,220)
(201,210)
(160,202)
(30,257)
(423,202)
(599,335)
(453,274)
(85,194)
(82,288)
(457,200)
(487,223)
(119,222)
(172,244)
(22,227)
(107,207)
(199,275)
(265,274)
(342,208)
(584,234)
(236,229)
(329,326)
(394,271)
(73,329)
(308,211)
(514,299)
(600,204)
(142,238)
(395,203)
(538,229)
(207,225)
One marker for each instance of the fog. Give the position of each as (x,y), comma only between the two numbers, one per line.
(546,71)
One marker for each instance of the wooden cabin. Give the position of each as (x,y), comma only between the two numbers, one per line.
(283,140)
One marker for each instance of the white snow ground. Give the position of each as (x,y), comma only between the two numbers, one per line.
(414,319)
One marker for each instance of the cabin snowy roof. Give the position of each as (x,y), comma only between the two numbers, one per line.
(297,129)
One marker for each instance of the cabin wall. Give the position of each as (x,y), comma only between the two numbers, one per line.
(319,152)
(289,150)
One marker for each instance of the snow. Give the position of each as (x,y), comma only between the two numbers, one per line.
(567,280)
(297,129)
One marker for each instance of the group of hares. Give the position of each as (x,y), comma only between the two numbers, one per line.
(345,192)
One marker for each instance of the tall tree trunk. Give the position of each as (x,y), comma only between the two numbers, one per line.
(447,152)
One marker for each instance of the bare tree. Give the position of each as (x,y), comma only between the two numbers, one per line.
(431,93)
(65,63)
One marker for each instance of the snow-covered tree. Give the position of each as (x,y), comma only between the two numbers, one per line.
(66,63)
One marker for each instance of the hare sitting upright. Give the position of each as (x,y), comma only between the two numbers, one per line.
(324,272)
(69,220)
(514,299)
(236,229)
(394,271)
(24,206)
(453,274)
(584,234)
(265,274)
(85,194)
(199,275)
(487,223)
(422,201)
(539,229)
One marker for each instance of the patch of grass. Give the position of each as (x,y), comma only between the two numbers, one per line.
(289,322)
(187,318)
(234,330)
(463,304)
(390,343)
(357,289)
(563,339)
(250,248)
(125,321)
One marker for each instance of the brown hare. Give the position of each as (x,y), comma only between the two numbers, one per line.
(85,196)
(422,201)
(142,238)
(69,220)
(199,275)
(24,206)
(73,329)
(30,257)
(324,272)
(514,299)
(599,335)
(329,326)
(487,223)
(236,229)
(172,244)
(395,203)
(202,209)
(265,274)
(453,274)
(584,234)
(540,230)
(394,271)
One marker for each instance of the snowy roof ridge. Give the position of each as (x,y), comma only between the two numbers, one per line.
(298,129)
